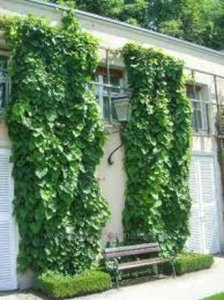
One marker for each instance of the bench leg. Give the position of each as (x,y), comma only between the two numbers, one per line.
(117,278)
(156,269)
(173,269)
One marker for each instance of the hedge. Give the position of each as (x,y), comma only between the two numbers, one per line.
(191,262)
(59,286)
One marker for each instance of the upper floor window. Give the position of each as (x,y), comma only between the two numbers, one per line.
(199,97)
(4,94)
(107,89)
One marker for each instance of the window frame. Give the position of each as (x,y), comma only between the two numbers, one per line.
(4,55)
(105,89)
(200,104)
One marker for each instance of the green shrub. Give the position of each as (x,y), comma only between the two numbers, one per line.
(190,262)
(59,286)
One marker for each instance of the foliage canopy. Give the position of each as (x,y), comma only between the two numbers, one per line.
(198,21)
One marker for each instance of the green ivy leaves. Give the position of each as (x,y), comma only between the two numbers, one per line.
(157,143)
(58,139)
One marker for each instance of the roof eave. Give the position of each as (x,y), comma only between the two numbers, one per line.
(132,27)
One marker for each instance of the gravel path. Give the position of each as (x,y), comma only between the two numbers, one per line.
(192,286)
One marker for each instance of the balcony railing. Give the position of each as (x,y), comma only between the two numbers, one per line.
(220,120)
(4,88)
(208,118)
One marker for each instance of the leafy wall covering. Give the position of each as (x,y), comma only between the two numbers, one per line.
(157,143)
(58,138)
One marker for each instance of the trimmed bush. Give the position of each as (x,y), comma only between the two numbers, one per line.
(191,262)
(59,286)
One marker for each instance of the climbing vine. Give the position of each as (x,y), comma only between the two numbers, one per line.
(157,145)
(58,138)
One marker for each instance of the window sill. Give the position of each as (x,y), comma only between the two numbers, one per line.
(112,126)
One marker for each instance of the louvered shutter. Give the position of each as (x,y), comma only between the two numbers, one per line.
(204,216)
(7,226)
(194,242)
(209,205)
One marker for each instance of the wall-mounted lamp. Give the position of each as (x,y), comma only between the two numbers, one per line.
(122,108)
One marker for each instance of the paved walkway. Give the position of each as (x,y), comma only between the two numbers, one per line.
(193,286)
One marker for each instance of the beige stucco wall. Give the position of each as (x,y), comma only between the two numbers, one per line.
(112,178)
(112,183)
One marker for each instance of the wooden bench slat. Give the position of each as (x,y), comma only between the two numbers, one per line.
(132,252)
(130,248)
(141,263)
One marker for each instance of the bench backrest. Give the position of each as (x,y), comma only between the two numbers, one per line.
(132,250)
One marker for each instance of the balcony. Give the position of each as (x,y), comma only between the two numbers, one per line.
(208,118)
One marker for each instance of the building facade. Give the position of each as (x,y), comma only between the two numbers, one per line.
(205,87)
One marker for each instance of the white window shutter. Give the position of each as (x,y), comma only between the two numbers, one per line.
(204,217)
(7,226)
(193,182)
(209,206)
(194,242)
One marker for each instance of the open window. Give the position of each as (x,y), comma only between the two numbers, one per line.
(199,97)
(108,89)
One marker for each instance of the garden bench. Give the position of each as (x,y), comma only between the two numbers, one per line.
(115,254)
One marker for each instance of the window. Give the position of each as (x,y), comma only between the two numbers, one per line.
(3,83)
(198,95)
(107,91)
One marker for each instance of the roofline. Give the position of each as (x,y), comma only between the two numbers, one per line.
(131,27)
